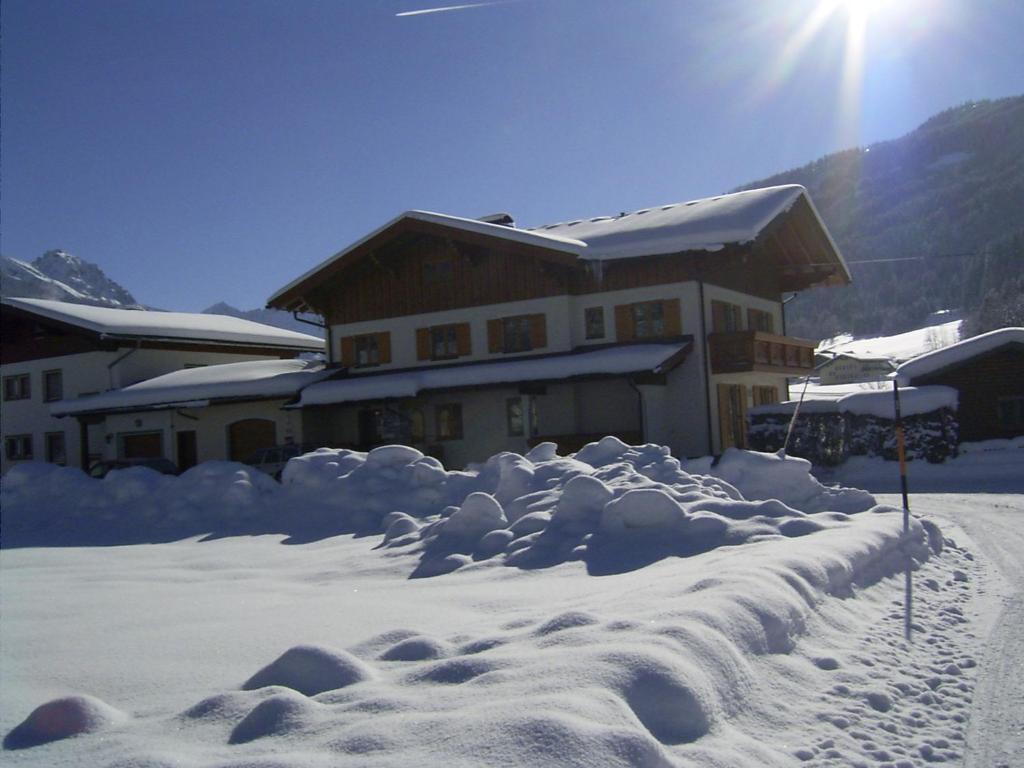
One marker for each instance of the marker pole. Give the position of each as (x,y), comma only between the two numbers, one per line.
(908,589)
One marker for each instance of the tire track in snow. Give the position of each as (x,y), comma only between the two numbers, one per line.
(995,522)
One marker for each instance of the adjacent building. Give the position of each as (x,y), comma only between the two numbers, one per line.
(466,337)
(55,351)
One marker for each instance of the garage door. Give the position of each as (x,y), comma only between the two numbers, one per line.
(249,435)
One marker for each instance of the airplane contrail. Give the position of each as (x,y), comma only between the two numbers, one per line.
(451,8)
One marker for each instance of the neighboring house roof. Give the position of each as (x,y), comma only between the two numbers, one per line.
(136,324)
(858,358)
(880,403)
(955,354)
(709,225)
(618,360)
(193,387)
(900,347)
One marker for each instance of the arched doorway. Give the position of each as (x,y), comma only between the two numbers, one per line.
(249,435)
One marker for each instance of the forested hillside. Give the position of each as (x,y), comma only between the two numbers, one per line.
(950,193)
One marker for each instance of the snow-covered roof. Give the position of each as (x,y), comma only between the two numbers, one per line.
(958,353)
(620,360)
(542,239)
(900,347)
(193,387)
(178,326)
(880,403)
(707,224)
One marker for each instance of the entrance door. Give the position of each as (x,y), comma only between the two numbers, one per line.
(732,416)
(187,453)
(247,436)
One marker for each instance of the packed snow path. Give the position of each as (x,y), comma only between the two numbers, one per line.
(995,522)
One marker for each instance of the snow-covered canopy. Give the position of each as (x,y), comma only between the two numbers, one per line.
(958,353)
(135,324)
(258,379)
(634,358)
(879,403)
(708,224)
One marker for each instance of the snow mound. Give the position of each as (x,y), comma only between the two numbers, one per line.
(311,669)
(62,719)
(279,714)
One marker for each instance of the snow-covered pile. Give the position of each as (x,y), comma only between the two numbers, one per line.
(614,506)
(878,403)
(328,654)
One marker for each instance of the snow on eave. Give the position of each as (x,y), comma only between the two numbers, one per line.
(616,360)
(955,354)
(195,387)
(168,327)
(551,242)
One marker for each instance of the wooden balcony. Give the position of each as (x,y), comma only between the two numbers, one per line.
(745,351)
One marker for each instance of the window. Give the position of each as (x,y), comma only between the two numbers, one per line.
(516,334)
(53,386)
(594,319)
(647,320)
(726,317)
(765,395)
(55,451)
(521,333)
(17,387)
(365,350)
(759,320)
(1011,412)
(514,416)
(449,421)
(444,342)
(18,447)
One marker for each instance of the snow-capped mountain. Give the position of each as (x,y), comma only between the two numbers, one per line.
(274,317)
(61,276)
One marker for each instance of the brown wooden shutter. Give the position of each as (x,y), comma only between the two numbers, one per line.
(494,336)
(673,320)
(724,417)
(538,331)
(422,343)
(742,418)
(384,346)
(348,351)
(463,340)
(718,319)
(623,322)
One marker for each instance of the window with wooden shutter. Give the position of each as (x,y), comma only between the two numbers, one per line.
(732,416)
(464,341)
(623,323)
(366,350)
(348,351)
(384,346)
(495,339)
(759,320)
(422,343)
(538,331)
(726,317)
(673,318)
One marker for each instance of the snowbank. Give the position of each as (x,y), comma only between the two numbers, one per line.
(714,568)
(615,507)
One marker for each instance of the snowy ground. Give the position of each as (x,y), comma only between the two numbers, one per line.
(776,641)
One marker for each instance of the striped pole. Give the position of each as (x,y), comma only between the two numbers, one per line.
(908,587)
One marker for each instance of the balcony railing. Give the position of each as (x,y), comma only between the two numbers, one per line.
(743,351)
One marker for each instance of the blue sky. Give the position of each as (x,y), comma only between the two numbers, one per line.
(210,150)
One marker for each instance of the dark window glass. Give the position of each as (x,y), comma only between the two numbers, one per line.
(594,317)
(18,447)
(444,342)
(648,319)
(53,386)
(17,387)
(516,332)
(449,421)
(55,451)
(367,350)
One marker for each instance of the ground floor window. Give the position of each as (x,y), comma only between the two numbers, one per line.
(449,421)
(55,449)
(18,447)
(516,419)
(140,445)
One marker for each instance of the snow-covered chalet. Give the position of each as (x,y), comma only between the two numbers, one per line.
(62,359)
(466,337)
